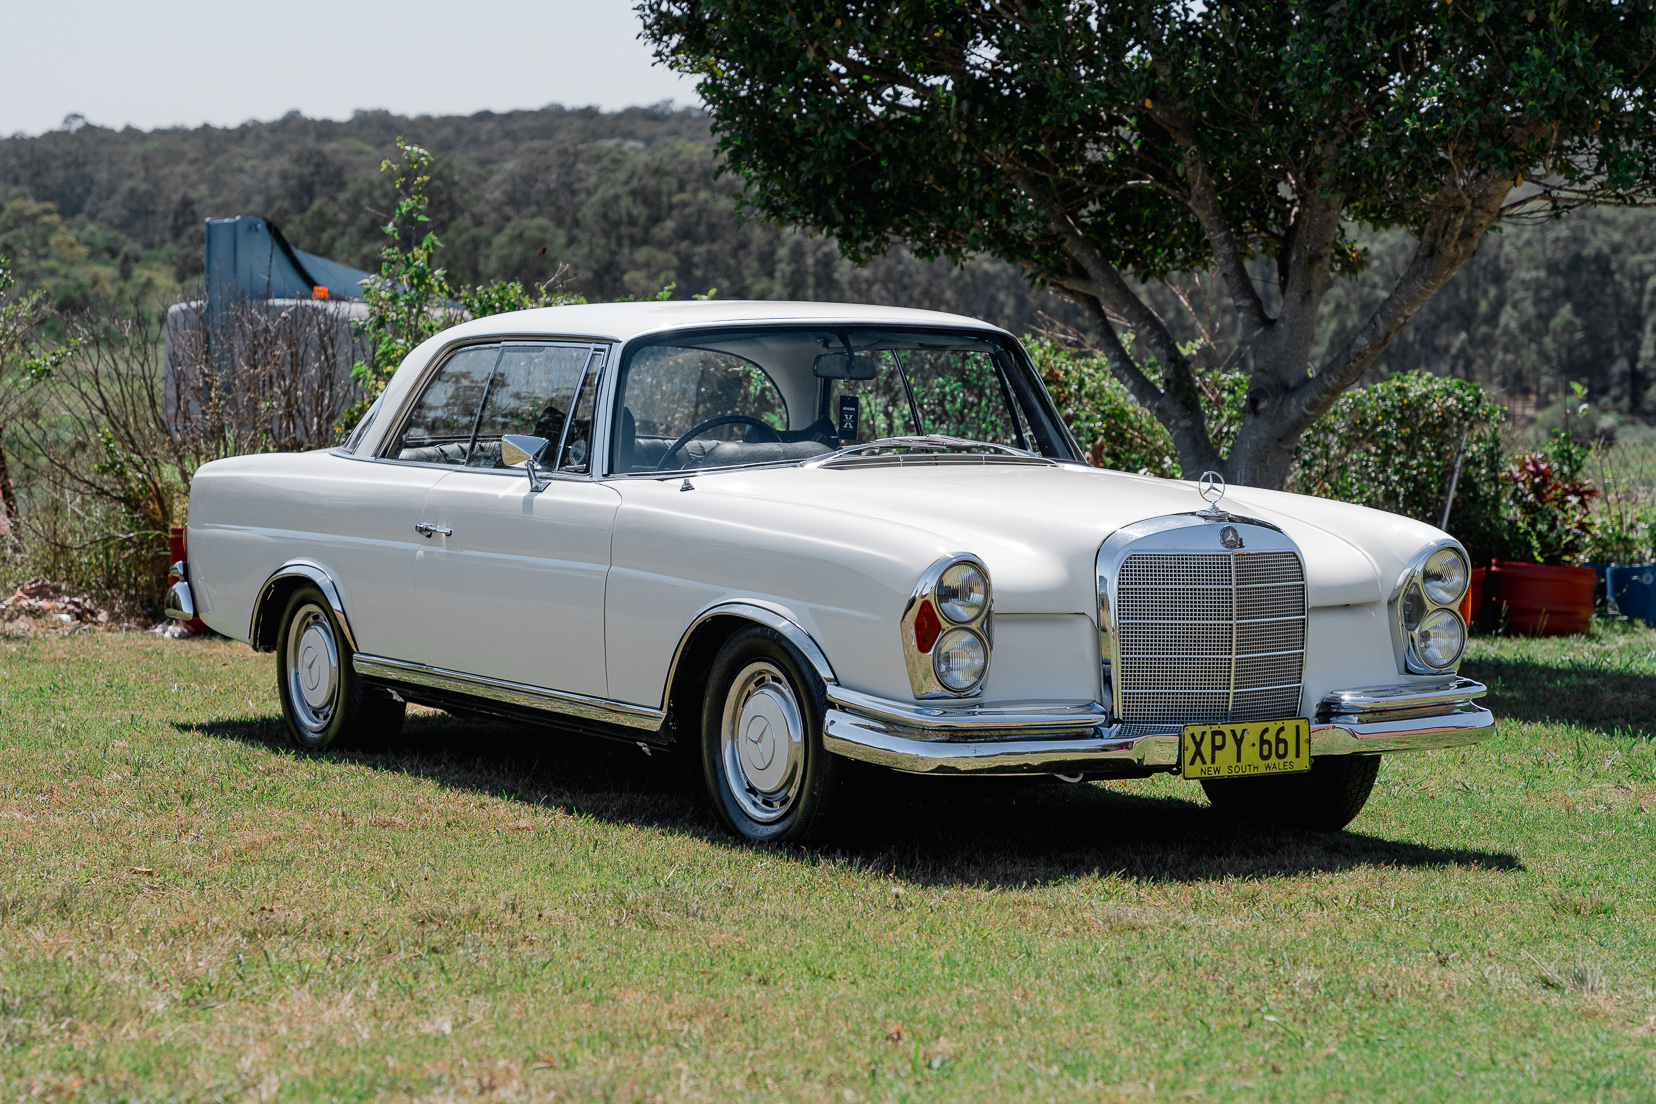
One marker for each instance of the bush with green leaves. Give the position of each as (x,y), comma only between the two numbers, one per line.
(411,299)
(1552,504)
(1113,429)
(1392,445)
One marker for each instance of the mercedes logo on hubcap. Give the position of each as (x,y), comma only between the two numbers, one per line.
(761,747)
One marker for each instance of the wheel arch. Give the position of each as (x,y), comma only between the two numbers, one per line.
(273,596)
(707,633)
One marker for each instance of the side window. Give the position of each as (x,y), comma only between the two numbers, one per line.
(485,392)
(439,431)
(532,392)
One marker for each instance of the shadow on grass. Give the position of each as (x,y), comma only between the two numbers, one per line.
(983,832)
(1586,695)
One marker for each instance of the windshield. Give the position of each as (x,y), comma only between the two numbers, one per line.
(732,397)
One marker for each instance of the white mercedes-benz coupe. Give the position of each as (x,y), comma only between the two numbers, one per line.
(779,537)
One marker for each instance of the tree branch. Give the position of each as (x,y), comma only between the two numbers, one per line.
(1203,200)
(1186,425)
(1451,237)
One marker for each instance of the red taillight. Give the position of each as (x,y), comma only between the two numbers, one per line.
(926,627)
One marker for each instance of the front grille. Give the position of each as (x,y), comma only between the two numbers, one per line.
(1209,637)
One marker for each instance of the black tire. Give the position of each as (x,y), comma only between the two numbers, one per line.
(771,787)
(1326,798)
(323,700)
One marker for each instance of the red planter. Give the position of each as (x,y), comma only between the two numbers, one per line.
(1539,599)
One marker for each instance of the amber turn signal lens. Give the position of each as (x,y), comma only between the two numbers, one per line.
(926,628)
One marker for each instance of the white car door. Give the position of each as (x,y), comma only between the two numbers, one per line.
(510,580)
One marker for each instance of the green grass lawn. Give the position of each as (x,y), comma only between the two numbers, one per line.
(188,910)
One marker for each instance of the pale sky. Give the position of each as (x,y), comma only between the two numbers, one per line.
(187,62)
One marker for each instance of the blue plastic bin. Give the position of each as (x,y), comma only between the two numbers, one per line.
(1633,590)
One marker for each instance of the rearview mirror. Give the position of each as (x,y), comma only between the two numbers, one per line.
(845,366)
(519,450)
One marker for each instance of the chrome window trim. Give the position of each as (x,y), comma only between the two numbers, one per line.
(1409,658)
(922,671)
(512,693)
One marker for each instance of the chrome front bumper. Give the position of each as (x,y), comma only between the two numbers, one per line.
(1070,740)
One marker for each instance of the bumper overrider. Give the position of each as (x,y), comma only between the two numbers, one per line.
(1069,740)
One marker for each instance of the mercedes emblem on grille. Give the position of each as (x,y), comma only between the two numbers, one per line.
(1229,537)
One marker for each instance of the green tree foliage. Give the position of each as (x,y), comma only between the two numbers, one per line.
(631,198)
(1105,141)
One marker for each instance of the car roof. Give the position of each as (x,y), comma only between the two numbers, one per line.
(624,321)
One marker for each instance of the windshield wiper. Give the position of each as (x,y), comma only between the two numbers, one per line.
(931,443)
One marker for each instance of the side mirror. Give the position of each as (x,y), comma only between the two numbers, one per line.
(845,366)
(518,450)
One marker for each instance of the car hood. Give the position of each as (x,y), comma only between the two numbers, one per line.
(1039,528)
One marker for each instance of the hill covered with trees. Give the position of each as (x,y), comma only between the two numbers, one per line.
(630,202)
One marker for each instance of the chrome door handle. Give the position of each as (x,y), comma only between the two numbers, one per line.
(426,529)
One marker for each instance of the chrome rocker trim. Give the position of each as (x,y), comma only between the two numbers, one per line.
(1074,741)
(511,693)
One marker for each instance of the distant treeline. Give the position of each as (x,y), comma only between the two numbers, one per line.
(630,202)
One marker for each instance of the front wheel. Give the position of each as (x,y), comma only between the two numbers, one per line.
(768,775)
(1327,797)
(323,700)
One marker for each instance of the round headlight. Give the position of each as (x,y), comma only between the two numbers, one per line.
(962,592)
(960,660)
(1440,638)
(1445,576)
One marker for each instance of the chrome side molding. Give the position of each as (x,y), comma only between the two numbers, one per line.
(512,693)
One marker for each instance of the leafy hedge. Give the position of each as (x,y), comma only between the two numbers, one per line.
(1392,445)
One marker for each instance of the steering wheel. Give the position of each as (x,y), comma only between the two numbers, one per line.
(715,423)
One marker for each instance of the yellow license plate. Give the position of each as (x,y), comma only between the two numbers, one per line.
(1245,750)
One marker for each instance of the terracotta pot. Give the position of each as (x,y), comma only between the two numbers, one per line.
(1539,599)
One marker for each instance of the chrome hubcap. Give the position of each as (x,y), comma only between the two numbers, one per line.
(762,742)
(312,669)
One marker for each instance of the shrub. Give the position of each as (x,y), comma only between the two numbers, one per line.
(1392,445)
(1112,428)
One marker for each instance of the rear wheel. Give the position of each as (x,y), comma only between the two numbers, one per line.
(768,775)
(1327,797)
(323,700)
